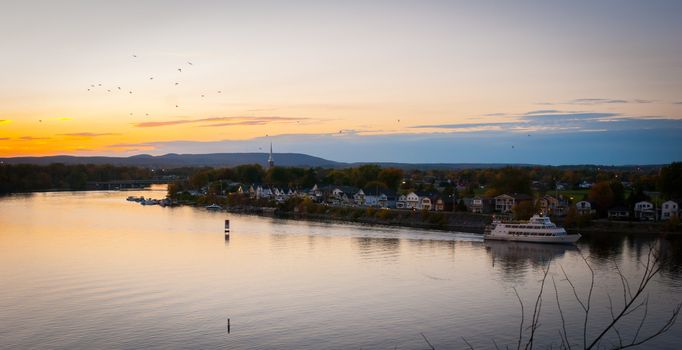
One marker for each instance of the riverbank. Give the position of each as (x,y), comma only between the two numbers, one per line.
(444,221)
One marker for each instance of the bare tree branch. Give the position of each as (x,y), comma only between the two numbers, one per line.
(427,341)
(518,346)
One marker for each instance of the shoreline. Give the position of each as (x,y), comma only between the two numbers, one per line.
(475,225)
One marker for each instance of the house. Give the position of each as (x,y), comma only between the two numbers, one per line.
(438,204)
(584,208)
(619,213)
(550,205)
(425,203)
(359,197)
(407,201)
(504,203)
(645,211)
(480,205)
(669,209)
(585,185)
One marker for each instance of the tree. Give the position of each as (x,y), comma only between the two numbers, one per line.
(602,196)
(670,180)
(391,177)
(511,180)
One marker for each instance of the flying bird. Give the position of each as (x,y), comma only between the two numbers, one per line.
(99,84)
(135,56)
(147,114)
(151,78)
(119,88)
(92,85)
(130,92)
(180,70)
(88,89)
(220,92)
(108,90)
(176,83)
(176,106)
(190,63)
(202,95)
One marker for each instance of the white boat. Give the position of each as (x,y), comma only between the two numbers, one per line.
(538,229)
(214,207)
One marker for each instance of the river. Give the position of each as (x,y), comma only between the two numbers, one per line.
(90,270)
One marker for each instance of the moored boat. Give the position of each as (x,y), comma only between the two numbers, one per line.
(538,229)
(214,207)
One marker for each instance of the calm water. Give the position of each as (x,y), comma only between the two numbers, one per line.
(90,270)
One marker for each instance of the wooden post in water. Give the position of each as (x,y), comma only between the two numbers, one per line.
(228,326)
(227,230)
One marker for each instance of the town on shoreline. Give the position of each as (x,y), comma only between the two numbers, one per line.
(640,199)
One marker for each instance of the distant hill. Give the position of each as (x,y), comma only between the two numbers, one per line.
(173,160)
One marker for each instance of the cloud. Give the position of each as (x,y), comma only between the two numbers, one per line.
(5,121)
(595,101)
(32,138)
(463,126)
(88,134)
(222,121)
(4,138)
(542,111)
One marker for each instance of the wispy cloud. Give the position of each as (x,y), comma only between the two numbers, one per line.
(464,126)
(561,122)
(32,138)
(4,138)
(89,134)
(542,111)
(596,101)
(223,121)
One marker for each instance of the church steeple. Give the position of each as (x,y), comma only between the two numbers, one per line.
(271,162)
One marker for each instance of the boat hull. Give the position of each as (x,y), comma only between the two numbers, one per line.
(564,239)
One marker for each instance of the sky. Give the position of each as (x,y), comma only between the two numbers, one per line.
(541,82)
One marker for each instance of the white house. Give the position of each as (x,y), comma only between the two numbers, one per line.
(669,209)
(645,211)
(504,203)
(411,200)
(584,208)
(424,203)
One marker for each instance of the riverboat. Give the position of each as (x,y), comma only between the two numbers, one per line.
(538,229)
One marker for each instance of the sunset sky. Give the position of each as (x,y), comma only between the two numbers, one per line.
(540,82)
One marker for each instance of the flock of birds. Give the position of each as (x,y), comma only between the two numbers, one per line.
(94,87)
(179,69)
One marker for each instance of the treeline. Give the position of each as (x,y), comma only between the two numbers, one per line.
(528,180)
(365,176)
(27,178)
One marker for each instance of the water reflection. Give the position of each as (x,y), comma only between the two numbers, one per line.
(514,258)
(377,247)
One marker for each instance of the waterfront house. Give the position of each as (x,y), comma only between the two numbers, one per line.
(504,203)
(555,206)
(619,213)
(359,197)
(644,210)
(479,205)
(424,203)
(669,209)
(438,203)
(584,208)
